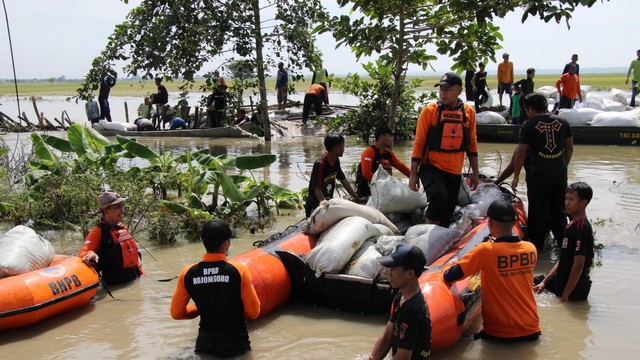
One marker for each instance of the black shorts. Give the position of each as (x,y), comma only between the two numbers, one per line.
(442,190)
(504,88)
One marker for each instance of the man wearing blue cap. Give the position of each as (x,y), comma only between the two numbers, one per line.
(445,132)
(506,264)
(408,332)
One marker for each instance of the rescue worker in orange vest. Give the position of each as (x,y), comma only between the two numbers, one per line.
(223,296)
(315,97)
(446,130)
(506,264)
(110,245)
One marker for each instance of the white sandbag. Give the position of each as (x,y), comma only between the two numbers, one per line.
(338,243)
(618,96)
(593,101)
(23,250)
(464,194)
(384,230)
(390,194)
(97,126)
(615,118)
(117,126)
(364,262)
(484,195)
(490,117)
(548,91)
(331,211)
(385,245)
(585,90)
(610,105)
(578,116)
(432,239)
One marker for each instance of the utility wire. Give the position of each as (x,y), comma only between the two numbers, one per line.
(13,63)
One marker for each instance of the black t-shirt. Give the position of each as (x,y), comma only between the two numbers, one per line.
(162,97)
(578,240)
(546,135)
(411,326)
(481,80)
(323,175)
(526,85)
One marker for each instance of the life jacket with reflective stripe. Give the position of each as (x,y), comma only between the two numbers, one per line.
(384,159)
(118,254)
(451,132)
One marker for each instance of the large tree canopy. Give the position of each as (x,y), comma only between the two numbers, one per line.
(400,30)
(179,38)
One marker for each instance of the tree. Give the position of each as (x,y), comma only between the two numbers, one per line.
(399,30)
(179,38)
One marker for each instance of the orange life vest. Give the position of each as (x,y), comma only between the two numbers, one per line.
(451,133)
(118,253)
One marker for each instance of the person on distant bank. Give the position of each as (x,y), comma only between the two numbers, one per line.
(480,87)
(574,61)
(106,83)
(635,81)
(144,109)
(321,76)
(282,86)
(314,96)
(569,88)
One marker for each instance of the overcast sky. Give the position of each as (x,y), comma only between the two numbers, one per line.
(52,38)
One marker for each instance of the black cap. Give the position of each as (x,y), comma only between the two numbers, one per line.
(382,130)
(449,79)
(502,210)
(406,255)
(215,232)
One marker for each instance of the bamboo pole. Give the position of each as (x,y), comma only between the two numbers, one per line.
(38,115)
(24,117)
(67,118)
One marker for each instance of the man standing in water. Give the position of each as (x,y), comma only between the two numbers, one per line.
(546,142)
(446,130)
(106,83)
(223,295)
(408,331)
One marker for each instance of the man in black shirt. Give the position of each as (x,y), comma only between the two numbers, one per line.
(525,86)
(106,83)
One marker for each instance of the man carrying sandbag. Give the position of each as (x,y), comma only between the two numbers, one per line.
(376,155)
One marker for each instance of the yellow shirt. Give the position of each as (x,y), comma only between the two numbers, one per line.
(505,72)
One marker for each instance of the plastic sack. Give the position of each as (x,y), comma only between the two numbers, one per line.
(593,101)
(331,211)
(616,118)
(364,262)
(484,195)
(390,194)
(23,250)
(432,239)
(490,117)
(548,91)
(464,194)
(337,244)
(385,245)
(578,116)
(618,95)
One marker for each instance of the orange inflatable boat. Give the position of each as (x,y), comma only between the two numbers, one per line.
(280,274)
(25,299)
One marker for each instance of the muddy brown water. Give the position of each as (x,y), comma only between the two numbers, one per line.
(138,324)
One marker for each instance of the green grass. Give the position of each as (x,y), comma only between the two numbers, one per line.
(137,88)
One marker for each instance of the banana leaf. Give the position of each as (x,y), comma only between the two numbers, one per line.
(96,139)
(230,190)
(195,202)
(251,162)
(136,149)
(78,141)
(57,143)
(41,149)
(173,207)
(32,177)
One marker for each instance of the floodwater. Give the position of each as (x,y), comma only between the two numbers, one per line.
(138,326)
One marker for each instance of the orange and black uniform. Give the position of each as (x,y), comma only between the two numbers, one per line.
(323,176)
(224,298)
(370,160)
(411,326)
(118,255)
(506,265)
(443,136)
(314,96)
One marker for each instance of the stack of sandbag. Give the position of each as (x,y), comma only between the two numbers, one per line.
(464,194)
(593,101)
(617,118)
(548,91)
(432,239)
(490,117)
(23,250)
(618,95)
(578,115)
(390,194)
(331,211)
(338,244)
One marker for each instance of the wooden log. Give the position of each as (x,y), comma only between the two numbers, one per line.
(60,123)
(24,117)
(66,117)
(38,115)
(126,111)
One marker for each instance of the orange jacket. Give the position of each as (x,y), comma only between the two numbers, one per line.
(182,309)
(315,89)
(450,162)
(368,156)
(94,240)
(506,271)
(569,86)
